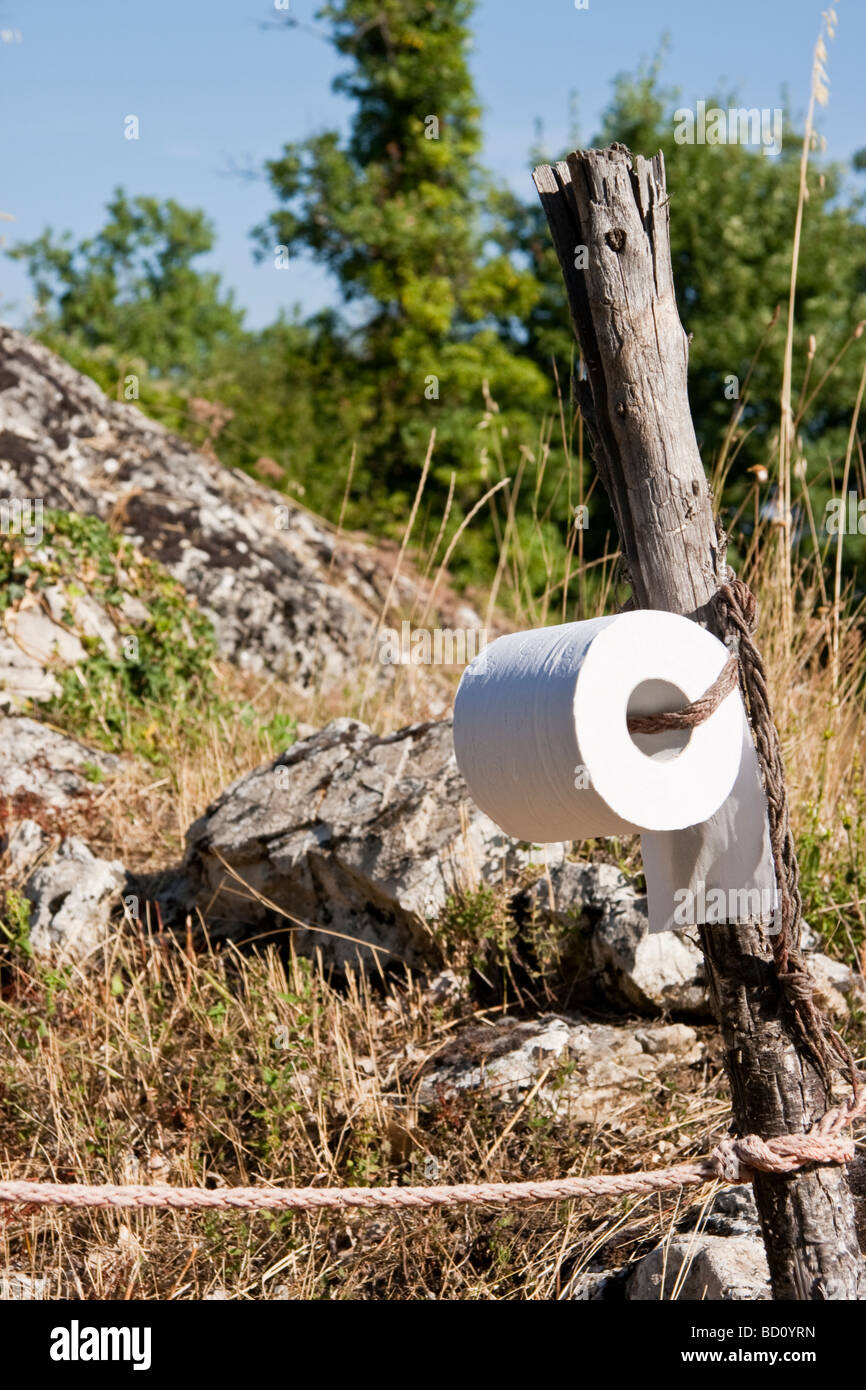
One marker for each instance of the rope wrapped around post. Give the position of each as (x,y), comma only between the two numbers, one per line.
(738,611)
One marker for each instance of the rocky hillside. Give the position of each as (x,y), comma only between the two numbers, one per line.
(284,595)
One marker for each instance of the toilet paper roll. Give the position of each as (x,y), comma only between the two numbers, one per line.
(541,738)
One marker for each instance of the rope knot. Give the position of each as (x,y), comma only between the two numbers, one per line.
(725,1159)
(738,1160)
(797,984)
(739,604)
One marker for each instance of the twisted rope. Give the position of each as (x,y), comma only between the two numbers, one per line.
(693,714)
(732,1161)
(738,610)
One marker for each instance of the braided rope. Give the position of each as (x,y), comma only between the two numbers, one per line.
(732,1161)
(738,609)
(738,612)
(695,713)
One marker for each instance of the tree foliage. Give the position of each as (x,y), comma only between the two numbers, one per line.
(732,212)
(133,286)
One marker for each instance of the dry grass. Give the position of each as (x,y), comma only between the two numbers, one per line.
(219,1068)
(163,1062)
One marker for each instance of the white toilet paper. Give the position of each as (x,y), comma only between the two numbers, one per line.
(721,870)
(521,731)
(541,738)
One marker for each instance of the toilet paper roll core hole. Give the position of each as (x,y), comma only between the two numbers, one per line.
(649,697)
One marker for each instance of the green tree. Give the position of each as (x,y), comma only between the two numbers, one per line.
(732,219)
(133,287)
(296,400)
(398,213)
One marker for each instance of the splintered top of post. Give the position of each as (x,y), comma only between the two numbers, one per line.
(610,178)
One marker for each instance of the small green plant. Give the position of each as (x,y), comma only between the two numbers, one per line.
(154,677)
(558,947)
(276,734)
(15,924)
(833,875)
(476,933)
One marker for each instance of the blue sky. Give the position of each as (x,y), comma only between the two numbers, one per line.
(215,91)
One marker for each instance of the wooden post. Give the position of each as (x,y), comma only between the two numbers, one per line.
(608,215)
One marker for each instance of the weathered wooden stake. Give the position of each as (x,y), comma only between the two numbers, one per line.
(635,403)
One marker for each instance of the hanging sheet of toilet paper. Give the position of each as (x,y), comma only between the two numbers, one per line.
(541,739)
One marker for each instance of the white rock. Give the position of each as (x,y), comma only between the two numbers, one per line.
(591,1286)
(40,765)
(836,984)
(22,677)
(632,969)
(283,596)
(653,973)
(89,618)
(134,610)
(671,1039)
(365,835)
(733,1213)
(445,988)
(71,899)
(42,639)
(596,1072)
(23,843)
(696,1267)
(16,1287)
